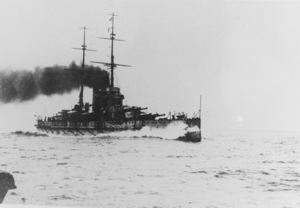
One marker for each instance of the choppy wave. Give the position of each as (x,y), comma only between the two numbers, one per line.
(227,169)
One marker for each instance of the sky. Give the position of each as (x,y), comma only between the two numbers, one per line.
(242,57)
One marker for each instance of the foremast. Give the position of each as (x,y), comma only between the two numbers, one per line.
(112,63)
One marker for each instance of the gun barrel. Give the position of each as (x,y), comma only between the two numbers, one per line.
(134,109)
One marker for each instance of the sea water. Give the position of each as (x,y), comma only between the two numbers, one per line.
(227,169)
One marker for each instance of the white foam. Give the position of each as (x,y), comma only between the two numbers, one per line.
(172,131)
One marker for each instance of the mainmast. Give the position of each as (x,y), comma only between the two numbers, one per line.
(112,63)
(83,48)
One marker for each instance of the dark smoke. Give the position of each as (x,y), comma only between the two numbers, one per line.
(26,85)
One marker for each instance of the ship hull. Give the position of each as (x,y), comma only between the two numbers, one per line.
(97,128)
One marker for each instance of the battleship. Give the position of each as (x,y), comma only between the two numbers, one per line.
(107,113)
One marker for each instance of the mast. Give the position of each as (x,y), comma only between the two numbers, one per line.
(82,67)
(112,61)
(83,48)
(112,51)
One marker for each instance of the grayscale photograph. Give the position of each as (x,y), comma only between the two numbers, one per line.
(149,104)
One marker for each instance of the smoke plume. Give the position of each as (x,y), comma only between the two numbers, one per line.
(26,85)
